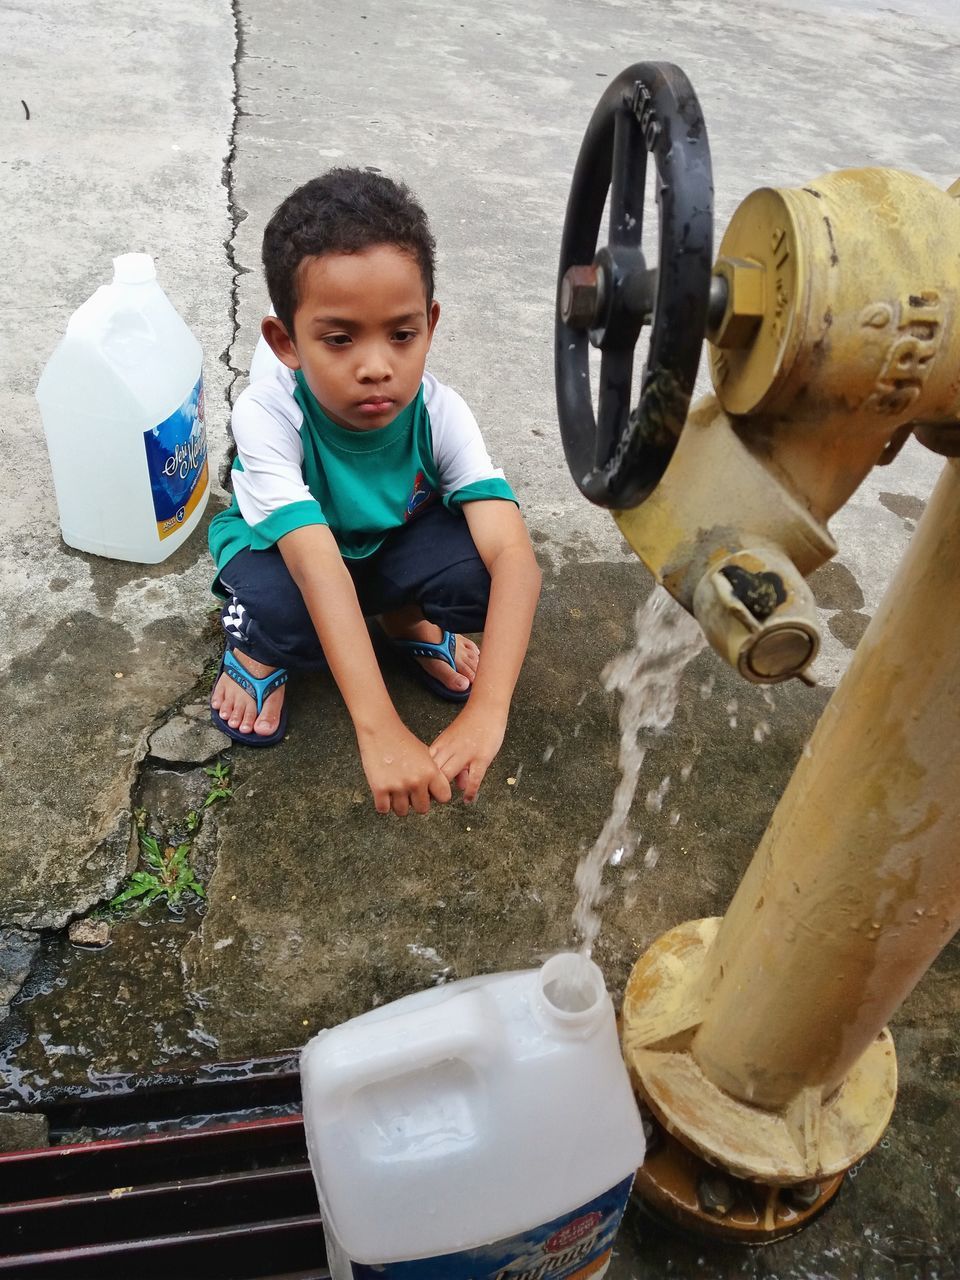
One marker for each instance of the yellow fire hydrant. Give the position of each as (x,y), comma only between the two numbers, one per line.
(758,1042)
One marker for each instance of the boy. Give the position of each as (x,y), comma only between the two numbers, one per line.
(363,488)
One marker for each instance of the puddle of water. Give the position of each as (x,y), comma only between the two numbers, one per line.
(124,1008)
(647,677)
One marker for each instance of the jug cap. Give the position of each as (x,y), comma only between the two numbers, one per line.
(133,268)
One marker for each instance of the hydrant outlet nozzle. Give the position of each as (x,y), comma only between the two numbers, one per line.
(779,653)
(759,614)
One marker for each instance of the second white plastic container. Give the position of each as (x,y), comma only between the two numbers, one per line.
(122,405)
(477,1131)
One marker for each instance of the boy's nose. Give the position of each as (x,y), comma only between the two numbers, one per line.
(374,366)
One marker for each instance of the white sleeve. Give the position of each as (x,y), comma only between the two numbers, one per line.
(266,425)
(458,447)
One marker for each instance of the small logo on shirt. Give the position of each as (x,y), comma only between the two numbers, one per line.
(423,493)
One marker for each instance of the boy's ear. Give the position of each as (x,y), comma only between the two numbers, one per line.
(433,315)
(280,342)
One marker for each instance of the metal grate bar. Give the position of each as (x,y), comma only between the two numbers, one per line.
(101,1166)
(140,1212)
(248,1252)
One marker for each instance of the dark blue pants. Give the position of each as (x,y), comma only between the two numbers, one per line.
(432,562)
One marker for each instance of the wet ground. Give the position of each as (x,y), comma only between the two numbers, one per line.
(317,910)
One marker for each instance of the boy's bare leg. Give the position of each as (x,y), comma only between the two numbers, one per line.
(409,623)
(239,709)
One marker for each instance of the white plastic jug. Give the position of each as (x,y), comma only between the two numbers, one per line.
(122,405)
(484,1130)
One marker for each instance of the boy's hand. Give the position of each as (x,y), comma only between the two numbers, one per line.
(400,770)
(466,748)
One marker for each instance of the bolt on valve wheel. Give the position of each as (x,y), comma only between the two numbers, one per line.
(617,456)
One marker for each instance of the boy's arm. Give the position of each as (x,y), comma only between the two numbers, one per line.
(401,773)
(465,749)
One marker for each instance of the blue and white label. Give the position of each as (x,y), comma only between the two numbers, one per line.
(177,463)
(573,1247)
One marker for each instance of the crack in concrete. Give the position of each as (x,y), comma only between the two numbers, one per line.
(237,215)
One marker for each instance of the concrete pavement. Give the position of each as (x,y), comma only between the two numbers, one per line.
(176,131)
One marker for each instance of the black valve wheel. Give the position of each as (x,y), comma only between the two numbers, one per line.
(617,456)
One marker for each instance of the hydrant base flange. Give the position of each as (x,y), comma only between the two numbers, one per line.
(676,1186)
(812,1138)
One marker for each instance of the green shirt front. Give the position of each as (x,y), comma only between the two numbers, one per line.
(296,467)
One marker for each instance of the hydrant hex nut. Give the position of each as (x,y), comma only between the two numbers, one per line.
(716,1195)
(580,297)
(745,301)
(804,1195)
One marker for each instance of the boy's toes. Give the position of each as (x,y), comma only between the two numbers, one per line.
(467,657)
(219,698)
(266,722)
(443,672)
(232,705)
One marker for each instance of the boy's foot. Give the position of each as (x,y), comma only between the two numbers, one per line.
(239,709)
(466,656)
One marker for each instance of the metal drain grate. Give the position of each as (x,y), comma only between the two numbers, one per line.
(179,1188)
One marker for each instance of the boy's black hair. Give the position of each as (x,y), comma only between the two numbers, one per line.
(342,211)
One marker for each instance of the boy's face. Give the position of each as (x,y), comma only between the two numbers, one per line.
(361,334)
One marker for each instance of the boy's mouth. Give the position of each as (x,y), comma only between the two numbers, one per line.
(375,404)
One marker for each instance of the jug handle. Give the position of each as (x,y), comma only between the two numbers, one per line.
(454,1031)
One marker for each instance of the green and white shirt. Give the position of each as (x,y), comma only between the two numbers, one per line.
(296,467)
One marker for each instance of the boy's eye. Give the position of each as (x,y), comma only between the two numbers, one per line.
(337,339)
(405,335)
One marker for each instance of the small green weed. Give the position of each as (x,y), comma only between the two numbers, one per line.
(220,790)
(168,875)
(166,872)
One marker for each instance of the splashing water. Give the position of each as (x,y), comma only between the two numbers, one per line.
(761,730)
(647,678)
(656,796)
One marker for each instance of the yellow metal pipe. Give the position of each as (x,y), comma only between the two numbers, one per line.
(855,887)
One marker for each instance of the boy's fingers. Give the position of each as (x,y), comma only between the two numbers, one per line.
(451,767)
(421,799)
(443,757)
(401,803)
(440,787)
(381,801)
(475,775)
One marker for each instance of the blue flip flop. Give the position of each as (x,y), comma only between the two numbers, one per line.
(445,650)
(259,690)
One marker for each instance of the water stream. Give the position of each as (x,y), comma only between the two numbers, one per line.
(647,677)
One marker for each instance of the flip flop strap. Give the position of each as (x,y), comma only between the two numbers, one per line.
(445,651)
(260,688)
